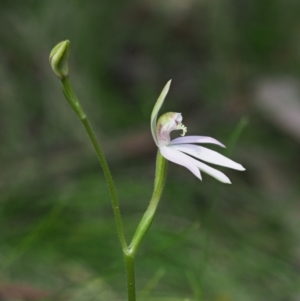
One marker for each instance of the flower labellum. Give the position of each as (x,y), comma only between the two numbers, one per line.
(181,150)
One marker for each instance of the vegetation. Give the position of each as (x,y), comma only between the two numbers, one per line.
(209,241)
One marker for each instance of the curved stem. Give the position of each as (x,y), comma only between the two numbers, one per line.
(74,102)
(160,176)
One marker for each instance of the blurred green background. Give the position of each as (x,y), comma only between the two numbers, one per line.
(232,63)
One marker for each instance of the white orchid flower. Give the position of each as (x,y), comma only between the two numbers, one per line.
(181,150)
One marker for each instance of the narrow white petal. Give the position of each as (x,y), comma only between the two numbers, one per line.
(208,155)
(213,172)
(177,157)
(156,109)
(174,155)
(196,139)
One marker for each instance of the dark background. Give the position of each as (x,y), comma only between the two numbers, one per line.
(235,67)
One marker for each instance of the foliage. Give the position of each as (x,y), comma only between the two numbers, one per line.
(207,242)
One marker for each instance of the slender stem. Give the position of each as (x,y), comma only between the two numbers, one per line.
(130,276)
(74,102)
(160,177)
(71,97)
(109,181)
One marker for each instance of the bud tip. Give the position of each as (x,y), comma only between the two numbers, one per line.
(59,59)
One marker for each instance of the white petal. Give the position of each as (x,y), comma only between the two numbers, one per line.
(208,155)
(173,155)
(177,157)
(156,109)
(213,172)
(196,139)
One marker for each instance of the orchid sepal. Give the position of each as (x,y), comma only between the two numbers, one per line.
(156,109)
(180,150)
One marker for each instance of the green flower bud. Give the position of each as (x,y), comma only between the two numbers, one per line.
(59,59)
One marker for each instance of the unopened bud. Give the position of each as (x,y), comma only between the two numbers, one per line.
(59,59)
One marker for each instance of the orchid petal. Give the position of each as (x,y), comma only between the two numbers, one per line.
(212,172)
(179,158)
(196,139)
(208,155)
(156,109)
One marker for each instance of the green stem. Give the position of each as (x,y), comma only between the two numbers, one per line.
(74,102)
(71,97)
(160,176)
(130,276)
(109,181)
